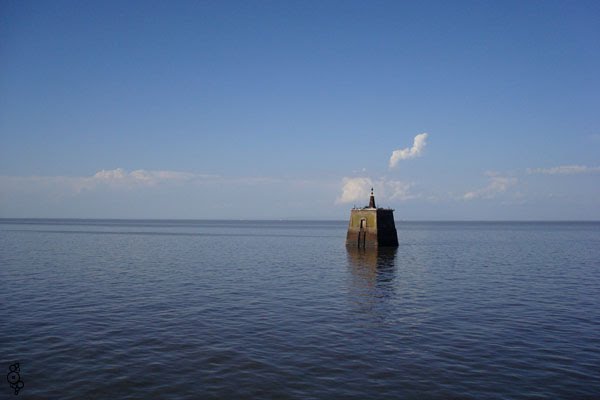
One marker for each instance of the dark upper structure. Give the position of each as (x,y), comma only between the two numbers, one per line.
(372,227)
(372,200)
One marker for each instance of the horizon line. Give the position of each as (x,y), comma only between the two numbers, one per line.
(285,219)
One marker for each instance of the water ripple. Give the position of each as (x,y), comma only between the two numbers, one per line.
(186,310)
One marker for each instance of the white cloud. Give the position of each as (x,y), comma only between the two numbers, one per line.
(140,176)
(419,143)
(120,193)
(114,178)
(398,190)
(564,170)
(358,190)
(497,185)
(121,179)
(355,189)
(108,175)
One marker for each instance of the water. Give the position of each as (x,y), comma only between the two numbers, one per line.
(101,309)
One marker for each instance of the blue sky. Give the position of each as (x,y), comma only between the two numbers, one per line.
(293,109)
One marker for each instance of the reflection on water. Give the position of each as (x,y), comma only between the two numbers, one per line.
(373,272)
(376,266)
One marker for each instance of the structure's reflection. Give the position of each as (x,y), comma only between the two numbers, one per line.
(376,266)
(373,272)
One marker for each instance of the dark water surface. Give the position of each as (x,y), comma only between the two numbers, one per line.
(99,309)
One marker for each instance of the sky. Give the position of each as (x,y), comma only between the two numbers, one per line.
(295,109)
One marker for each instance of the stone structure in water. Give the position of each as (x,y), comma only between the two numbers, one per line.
(372,227)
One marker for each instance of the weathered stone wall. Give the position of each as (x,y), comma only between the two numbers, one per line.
(378,228)
(369,215)
(367,236)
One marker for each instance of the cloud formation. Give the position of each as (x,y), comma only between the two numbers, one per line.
(113,178)
(140,176)
(120,193)
(419,143)
(358,189)
(354,189)
(397,190)
(121,179)
(564,170)
(496,185)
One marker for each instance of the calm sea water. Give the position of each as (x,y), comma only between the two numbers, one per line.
(98,309)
